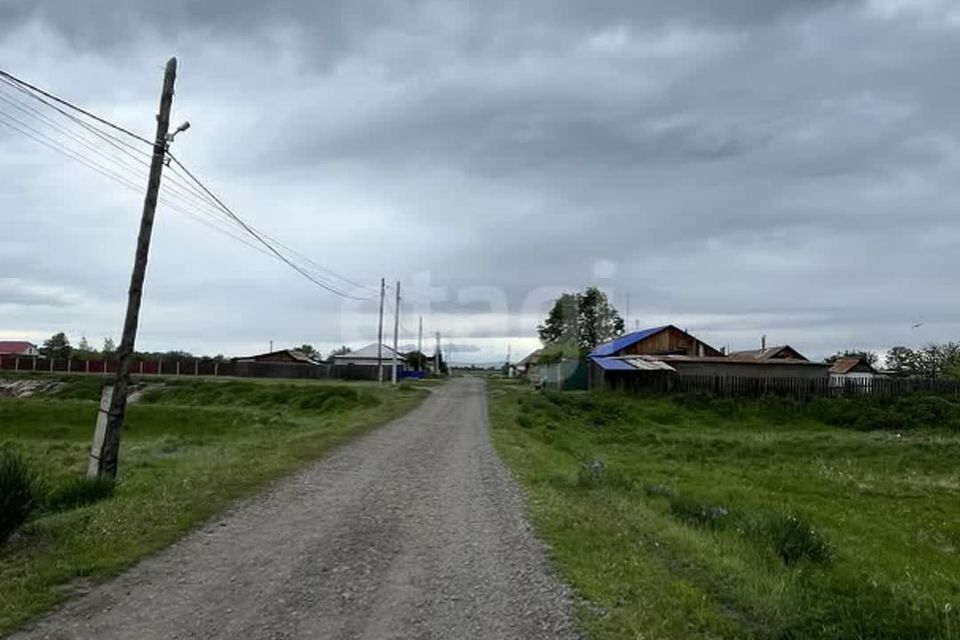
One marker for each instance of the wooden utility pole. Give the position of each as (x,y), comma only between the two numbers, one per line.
(383,289)
(420,362)
(104,455)
(396,334)
(436,356)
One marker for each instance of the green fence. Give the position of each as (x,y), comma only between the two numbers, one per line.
(566,375)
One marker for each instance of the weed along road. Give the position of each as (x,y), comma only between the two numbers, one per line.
(414,531)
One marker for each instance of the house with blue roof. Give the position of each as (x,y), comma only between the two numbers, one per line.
(667,340)
(646,357)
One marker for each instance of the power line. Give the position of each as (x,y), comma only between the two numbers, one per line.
(260,238)
(70,105)
(115,177)
(194,202)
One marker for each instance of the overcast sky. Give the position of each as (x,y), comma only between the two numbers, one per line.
(736,167)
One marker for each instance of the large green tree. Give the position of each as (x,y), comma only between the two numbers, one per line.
(868,357)
(930,361)
(57,347)
(582,319)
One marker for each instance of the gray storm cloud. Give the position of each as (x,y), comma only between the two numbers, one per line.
(747,167)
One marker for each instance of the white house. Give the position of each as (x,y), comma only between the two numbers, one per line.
(852,368)
(362,363)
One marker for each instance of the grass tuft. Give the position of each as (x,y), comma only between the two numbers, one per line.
(596,474)
(699,514)
(19,491)
(78,492)
(794,539)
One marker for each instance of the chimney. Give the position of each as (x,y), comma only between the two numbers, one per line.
(763,342)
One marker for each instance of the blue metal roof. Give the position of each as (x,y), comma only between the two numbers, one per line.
(612,347)
(613,364)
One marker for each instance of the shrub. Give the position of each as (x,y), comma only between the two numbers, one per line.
(19,488)
(524,421)
(794,539)
(595,474)
(697,513)
(78,492)
(659,490)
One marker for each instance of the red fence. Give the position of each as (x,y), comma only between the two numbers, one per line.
(179,367)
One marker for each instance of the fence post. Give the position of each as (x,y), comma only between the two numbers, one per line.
(87,365)
(178,367)
(16,363)
(141,367)
(159,367)
(196,367)
(216,368)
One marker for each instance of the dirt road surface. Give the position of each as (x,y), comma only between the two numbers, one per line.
(414,531)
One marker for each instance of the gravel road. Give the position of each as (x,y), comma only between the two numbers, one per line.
(414,531)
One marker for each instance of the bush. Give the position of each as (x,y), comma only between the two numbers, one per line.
(596,474)
(19,489)
(524,421)
(659,490)
(794,539)
(699,514)
(78,492)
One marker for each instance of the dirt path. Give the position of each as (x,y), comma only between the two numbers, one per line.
(415,531)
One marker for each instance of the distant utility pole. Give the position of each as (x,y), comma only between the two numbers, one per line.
(105,453)
(383,290)
(420,337)
(436,356)
(271,346)
(396,334)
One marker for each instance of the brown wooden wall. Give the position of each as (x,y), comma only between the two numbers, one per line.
(670,341)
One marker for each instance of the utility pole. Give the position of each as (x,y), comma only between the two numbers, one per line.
(383,290)
(420,337)
(396,333)
(271,346)
(436,356)
(105,453)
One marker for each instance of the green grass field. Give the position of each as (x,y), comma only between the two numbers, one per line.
(189,448)
(692,518)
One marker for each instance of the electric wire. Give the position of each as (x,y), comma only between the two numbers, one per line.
(201,201)
(70,105)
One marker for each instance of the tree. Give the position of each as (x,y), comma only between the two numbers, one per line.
(84,351)
(57,347)
(931,361)
(308,350)
(340,351)
(109,347)
(585,320)
(900,361)
(867,357)
(560,327)
(415,360)
(598,322)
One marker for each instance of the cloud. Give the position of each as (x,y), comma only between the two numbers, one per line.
(746,167)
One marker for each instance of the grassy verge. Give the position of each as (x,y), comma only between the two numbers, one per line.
(693,519)
(189,449)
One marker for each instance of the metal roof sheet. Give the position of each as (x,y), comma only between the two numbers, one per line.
(644,364)
(614,364)
(631,364)
(612,347)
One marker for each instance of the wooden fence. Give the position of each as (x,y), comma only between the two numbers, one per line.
(740,387)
